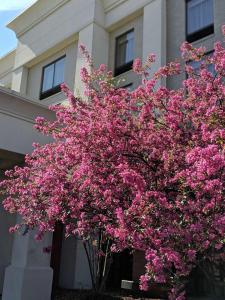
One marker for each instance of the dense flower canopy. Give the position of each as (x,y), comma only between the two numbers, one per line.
(147,167)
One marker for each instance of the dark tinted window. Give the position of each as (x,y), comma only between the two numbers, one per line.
(200,19)
(124,52)
(52,77)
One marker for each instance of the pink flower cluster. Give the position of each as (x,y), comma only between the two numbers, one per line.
(146,167)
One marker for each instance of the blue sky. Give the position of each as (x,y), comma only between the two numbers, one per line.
(8,10)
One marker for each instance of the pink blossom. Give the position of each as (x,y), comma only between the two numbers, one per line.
(144,280)
(146,168)
(191,255)
(137,66)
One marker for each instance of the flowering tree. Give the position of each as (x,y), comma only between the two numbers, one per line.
(143,169)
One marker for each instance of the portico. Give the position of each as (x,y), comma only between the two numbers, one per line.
(22,260)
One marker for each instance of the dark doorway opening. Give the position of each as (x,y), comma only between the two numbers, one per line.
(121,269)
(56,253)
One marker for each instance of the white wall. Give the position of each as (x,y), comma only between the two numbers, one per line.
(35,75)
(60,24)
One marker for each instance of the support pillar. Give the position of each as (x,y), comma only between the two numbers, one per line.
(19,80)
(6,241)
(96,40)
(154,32)
(29,275)
(82,278)
(74,269)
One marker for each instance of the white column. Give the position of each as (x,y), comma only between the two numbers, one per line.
(19,80)
(154,32)
(29,277)
(6,242)
(74,269)
(82,278)
(96,40)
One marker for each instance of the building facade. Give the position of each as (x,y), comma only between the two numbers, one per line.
(49,34)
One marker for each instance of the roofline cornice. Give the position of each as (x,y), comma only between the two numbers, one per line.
(21,23)
(21,27)
(11,52)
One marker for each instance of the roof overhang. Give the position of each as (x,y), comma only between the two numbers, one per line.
(17,118)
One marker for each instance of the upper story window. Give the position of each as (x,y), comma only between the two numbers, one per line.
(200,19)
(124,52)
(52,77)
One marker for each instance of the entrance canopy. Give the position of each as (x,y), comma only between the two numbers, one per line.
(17,117)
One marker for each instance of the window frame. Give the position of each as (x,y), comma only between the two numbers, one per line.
(55,89)
(127,66)
(199,34)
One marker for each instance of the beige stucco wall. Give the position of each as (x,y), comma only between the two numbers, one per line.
(137,25)
(35,75)
(61,22)
(46,27)
(47,30)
